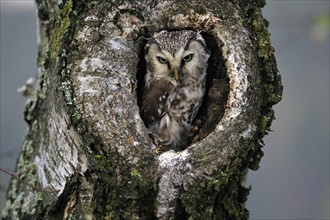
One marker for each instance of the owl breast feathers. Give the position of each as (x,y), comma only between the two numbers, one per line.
(174,84)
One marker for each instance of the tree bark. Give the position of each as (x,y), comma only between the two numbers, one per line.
(87,153)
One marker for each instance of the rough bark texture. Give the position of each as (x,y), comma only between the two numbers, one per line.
(87,151)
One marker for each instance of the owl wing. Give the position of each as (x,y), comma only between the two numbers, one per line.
(154,100)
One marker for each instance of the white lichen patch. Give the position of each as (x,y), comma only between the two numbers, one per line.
(194,20)
(176,174)
(170,158)
(92,18)
(247,132)
(84,33)
(235,52)
(59,154)
(237,77)
(116,43)
(91,64)
(30,198)
(87,85)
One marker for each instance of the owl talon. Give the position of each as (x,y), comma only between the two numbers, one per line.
(159,149)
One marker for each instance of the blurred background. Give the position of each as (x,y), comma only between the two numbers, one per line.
(293,179)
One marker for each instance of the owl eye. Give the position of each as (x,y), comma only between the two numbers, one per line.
(187,58)
(162,60)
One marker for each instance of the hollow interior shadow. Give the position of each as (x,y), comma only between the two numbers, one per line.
(142,69)
(217,90)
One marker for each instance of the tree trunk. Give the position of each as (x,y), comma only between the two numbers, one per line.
(87,154)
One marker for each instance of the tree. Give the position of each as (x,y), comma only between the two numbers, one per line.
(87,153)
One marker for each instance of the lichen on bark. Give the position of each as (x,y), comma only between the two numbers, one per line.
(88,152)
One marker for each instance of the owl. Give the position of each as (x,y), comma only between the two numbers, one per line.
(176,63)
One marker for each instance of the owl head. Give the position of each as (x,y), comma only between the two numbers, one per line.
(178,56)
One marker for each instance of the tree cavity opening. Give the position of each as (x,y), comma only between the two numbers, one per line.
(216,93)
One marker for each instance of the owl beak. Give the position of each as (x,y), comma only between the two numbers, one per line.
(176,74)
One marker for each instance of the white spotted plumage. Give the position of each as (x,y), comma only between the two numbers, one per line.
(174,84)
